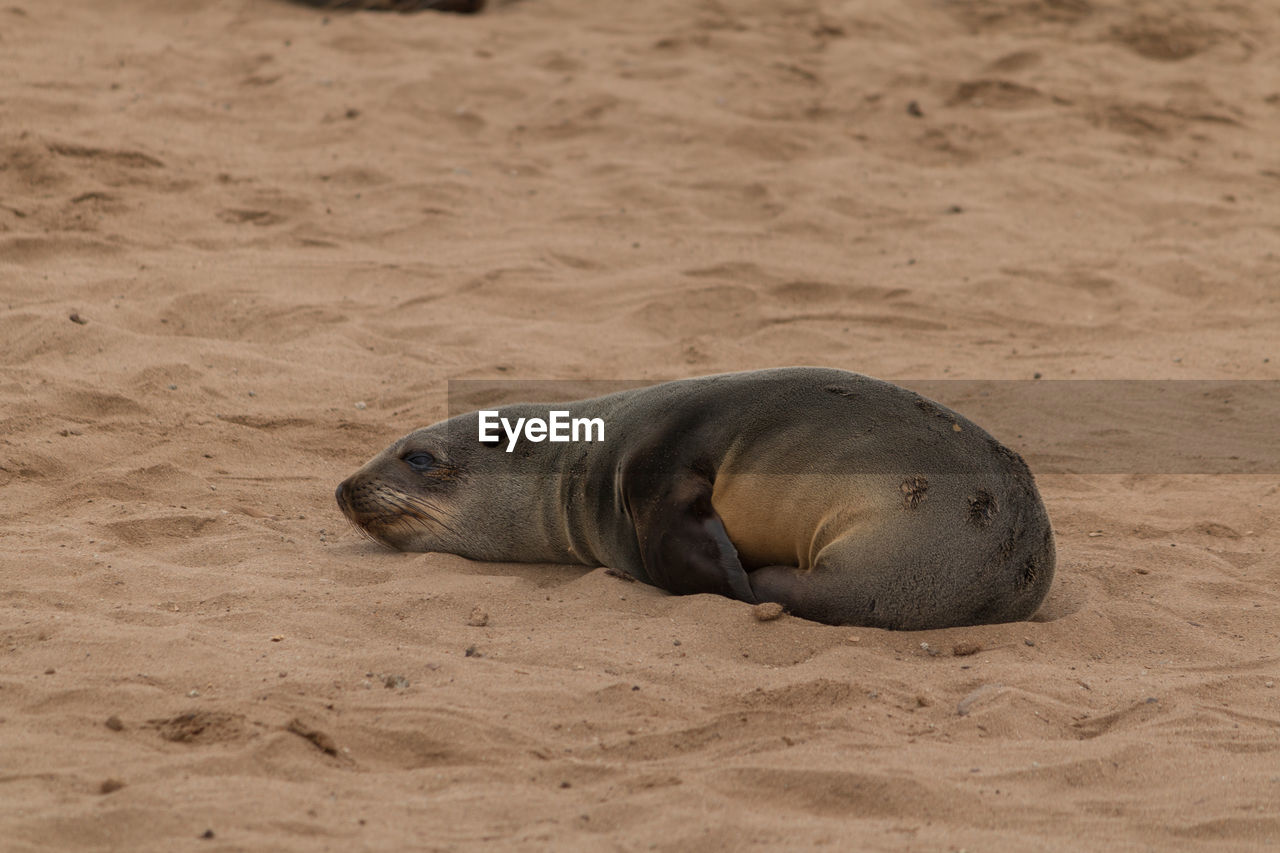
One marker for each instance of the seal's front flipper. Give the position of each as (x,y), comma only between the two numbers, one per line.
(682,540)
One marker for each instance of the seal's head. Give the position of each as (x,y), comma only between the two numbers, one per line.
(440,489)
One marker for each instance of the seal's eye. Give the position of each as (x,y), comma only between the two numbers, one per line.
(420,460)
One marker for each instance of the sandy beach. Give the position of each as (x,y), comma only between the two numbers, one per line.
(244,244)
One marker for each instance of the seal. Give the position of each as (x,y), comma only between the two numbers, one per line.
(846,499)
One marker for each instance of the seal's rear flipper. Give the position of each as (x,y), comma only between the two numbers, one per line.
(682,540)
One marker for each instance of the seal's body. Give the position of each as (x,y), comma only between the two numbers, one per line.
(846,499)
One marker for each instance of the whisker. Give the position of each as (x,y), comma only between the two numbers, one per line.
(419,510)
(415,511)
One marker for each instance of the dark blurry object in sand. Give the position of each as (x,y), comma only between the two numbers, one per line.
(465,6)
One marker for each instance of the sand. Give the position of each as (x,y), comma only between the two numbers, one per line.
(244,244)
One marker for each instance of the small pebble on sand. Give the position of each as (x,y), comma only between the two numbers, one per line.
(767,611)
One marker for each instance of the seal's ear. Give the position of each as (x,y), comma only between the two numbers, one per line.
(682,540)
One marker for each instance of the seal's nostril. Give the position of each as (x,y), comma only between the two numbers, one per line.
(340,494)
